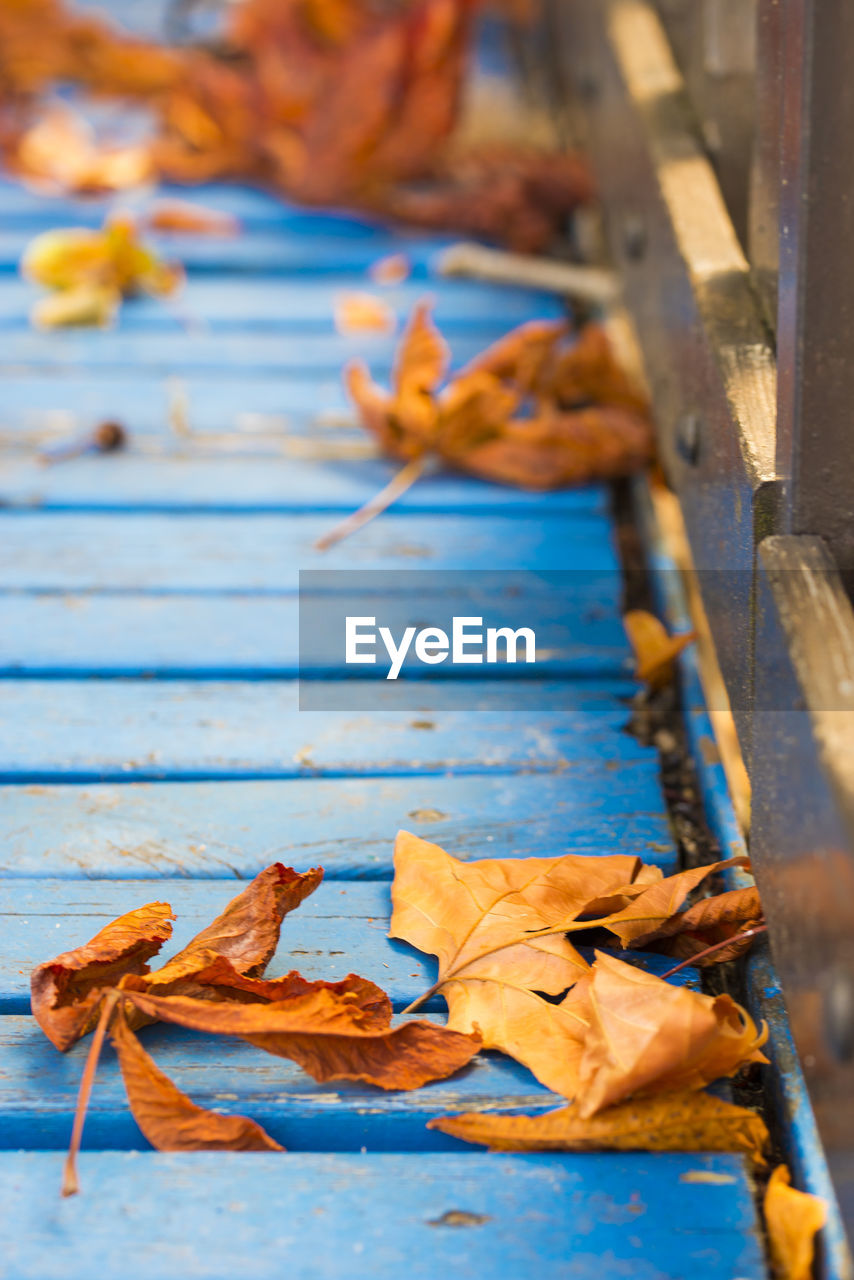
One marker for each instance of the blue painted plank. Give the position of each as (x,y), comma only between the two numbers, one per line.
(240,354)
(274,252)
(234,304)
(210,830)
(341,928)
(196,481)
(54,731)
(38,1094)
(315,1217)
(22,209)
(81,551)
(793,1111)
(252,637)
(215,402)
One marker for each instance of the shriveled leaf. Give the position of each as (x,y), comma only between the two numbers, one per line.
(223,981)
(792,1217)
(246,933)
(67,991)
(555,448)
(521,356)
(88,305)
(60,153)
(167,1117)
(709,921)
(502,418)
(332,1035)
(421,363)
(363,313)
(64,259)
(589,372)
(645,1036)
(93,270)
(668,1122)
(658,903)
(655,650)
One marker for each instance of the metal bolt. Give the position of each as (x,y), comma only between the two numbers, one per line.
(588,87)
(839,1017)
(634,238)
(689,436)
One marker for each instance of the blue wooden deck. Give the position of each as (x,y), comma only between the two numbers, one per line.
(150,731)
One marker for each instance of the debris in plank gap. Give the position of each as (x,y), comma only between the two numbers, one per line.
(617,1032)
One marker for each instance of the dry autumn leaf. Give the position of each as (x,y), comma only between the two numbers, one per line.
(333,103)
(477,918)
(92,270)
(330,1033)
(67,991)
(643,1035)
(498,929)
(655,650)
(167,1117)
(669,1122)
(473,424)
(246,933)
(709,922)
(60,153)
(792,1218)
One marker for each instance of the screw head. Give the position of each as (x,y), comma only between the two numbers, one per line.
(634,237)
(839,1016)
(689,438)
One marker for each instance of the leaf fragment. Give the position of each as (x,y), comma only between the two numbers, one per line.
(246,932)
(683,1121)
(655,650)
(329,1033)
(709,922)
(792,1218)
(67,991)
(167,1117)
(357,313)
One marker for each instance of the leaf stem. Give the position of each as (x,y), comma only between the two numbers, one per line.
(397,486)
(70,1185)
(727,942)
(416,1004)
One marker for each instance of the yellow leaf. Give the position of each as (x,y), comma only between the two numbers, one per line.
(669,1122)
(655,651)
(792,1217)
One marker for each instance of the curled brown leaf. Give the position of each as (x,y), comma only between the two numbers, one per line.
(167,1117)
(330,1034)
(246,933)
(67,991)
